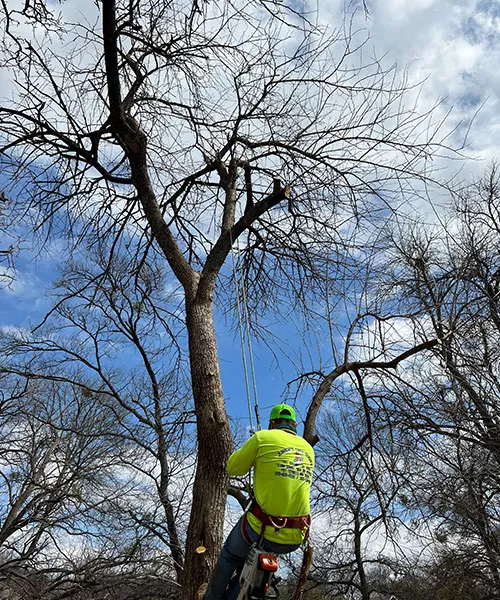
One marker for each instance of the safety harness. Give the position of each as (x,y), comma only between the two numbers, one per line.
(302,522)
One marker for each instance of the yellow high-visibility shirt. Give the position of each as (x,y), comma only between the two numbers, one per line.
(283,464)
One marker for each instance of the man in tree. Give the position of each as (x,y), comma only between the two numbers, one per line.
(283,464)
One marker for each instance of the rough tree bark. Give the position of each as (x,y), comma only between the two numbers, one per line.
(214,446)
(214,435)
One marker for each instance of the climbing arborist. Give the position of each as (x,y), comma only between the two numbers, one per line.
(283,464)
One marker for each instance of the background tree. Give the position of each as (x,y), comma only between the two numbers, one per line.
(100,313)
(358,485)
(443,282)
(59,452)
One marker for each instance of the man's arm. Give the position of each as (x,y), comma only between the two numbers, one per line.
(241,461)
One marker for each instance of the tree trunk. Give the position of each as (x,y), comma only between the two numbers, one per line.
(214,447)
(358,552)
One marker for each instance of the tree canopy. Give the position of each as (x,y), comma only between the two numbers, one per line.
(157,138)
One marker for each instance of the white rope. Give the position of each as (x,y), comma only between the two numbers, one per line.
(242,335)
(250,352)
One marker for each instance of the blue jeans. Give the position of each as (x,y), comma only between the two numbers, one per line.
(225,581)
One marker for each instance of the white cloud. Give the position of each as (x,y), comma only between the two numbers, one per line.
(455,46)
(23,284)
(18,333)
(7,276)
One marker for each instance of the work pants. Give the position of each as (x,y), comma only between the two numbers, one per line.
(224,583)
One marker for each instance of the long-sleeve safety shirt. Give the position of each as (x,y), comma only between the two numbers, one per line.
(283,464)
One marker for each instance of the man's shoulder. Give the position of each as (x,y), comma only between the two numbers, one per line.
(281,436)
(262,435)
(305,445)
(269,435)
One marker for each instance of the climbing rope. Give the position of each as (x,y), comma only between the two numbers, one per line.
(246,344)
(250,352)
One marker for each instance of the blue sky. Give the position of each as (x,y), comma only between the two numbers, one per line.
(452,44)
(25,301)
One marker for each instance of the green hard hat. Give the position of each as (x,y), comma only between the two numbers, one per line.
(282,411)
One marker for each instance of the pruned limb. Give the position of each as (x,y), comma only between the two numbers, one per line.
(222,247)
(248,188)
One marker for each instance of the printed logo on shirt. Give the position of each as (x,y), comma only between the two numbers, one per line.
(298,466)
(298,458)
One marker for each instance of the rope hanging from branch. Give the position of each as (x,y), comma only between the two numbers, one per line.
(245,338)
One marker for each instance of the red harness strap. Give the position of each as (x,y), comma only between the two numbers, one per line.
(302,522)
(244,530)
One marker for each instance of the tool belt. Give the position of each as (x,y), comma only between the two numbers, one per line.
(303,522)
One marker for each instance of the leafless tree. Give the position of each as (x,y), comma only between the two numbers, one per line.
(99,313)
(186,127)
(59,451)
(448,280)
(444,279)
(358,493)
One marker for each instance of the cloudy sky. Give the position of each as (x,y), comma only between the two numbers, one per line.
(452,45)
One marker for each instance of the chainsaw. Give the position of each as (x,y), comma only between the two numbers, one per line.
(258,576)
